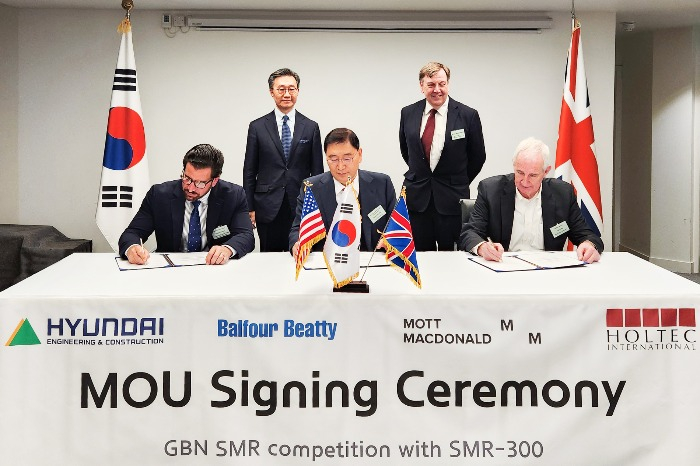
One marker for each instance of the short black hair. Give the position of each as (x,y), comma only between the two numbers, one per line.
(341,135)
(205,156)
(282,72)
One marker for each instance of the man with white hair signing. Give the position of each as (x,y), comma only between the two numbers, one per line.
(524,211)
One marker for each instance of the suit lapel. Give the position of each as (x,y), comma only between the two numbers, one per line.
(324,192)
(299,123)
(271,126)
(177,212)
(452,118)
(507,212)
(213,213)
(368,194)
(548,210)
(416,118)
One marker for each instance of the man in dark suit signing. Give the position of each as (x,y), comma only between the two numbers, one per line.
(375,191)
(525,211)
(198,212)
(282,149)
(442,143)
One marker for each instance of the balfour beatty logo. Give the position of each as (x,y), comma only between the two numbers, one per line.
(650,329)
(108,326)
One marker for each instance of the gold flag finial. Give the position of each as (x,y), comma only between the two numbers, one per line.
(125,24)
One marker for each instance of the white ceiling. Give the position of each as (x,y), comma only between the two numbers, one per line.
(645,13)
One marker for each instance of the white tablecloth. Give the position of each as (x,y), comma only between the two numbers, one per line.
(589,365)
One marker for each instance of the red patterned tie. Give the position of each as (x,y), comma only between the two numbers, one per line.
(427,138)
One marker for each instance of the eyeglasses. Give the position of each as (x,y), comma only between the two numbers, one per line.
(345,160)
(186,180)
(284,90)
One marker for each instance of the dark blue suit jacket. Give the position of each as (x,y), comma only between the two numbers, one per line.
(163,211)
(376,189)
(493,212)
(266,176)
(459,164)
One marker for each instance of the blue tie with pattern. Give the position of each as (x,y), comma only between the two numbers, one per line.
(286,138)
(194,237)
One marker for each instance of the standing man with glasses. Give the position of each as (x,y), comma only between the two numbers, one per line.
(282,149)
(442,144)
(198,212)
(375,191)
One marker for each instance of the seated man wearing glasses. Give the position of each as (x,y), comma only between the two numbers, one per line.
(375,191)
(198,212)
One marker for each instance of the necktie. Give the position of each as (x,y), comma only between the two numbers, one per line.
(427,138)
(286,138)
(194,237)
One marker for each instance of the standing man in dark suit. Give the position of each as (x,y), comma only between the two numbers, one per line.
(442,143)
(198,212)
(375,191)
(283,148)
(525,211)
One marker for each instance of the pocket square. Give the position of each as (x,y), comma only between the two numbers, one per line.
(220,232)
(303,141)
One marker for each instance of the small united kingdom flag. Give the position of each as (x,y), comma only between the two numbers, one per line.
(398,238)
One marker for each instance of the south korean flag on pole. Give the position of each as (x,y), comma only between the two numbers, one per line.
(125,179)
(341,250)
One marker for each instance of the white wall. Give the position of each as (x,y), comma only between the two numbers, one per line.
(206,87)
(674,206)
(9,207)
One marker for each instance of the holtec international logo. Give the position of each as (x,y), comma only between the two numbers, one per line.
(23,335)
(651,329)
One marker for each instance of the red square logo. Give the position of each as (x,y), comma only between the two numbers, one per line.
(686,317)
(669,317)
(614,318)
(650,317)
(632,318)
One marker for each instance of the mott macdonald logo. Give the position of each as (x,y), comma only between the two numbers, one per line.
(23,335)
(655,329)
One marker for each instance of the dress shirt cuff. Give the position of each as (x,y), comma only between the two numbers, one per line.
(475,249)
(233,251)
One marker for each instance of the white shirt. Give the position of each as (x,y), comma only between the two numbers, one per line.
(527,232)
(440,128)
(278,117)
(189,206)
(339,186)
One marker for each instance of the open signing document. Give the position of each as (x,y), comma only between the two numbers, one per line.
(162,260)
(531,260)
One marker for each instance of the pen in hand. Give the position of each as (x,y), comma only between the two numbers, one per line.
(143,251)
(488,238)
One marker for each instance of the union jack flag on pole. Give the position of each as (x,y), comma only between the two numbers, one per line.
(311,229)
(576,161)
(125,178)
(398,240)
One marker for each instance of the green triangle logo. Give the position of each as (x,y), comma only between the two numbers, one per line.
(24,335)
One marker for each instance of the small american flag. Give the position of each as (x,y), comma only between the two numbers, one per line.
(311,229)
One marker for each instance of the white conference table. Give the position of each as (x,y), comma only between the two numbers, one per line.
(477,366)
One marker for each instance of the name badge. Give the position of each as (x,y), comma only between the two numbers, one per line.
(457,134)
(220,232)
(559,229)
(376,214)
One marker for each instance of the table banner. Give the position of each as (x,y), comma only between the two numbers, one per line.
(349,380)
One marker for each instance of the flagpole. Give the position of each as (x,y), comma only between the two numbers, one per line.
(381,233)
